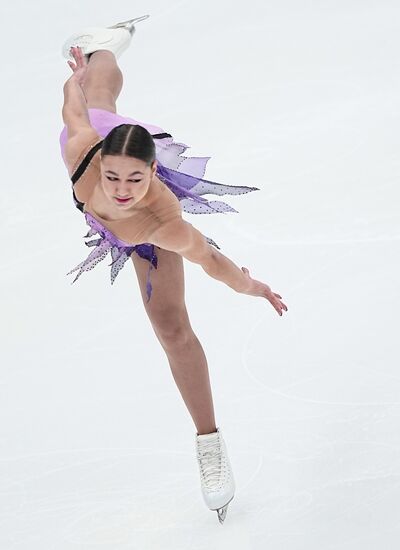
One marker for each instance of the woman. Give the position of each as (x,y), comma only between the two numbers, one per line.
(131,182)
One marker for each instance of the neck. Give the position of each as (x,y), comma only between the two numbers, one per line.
(103,207)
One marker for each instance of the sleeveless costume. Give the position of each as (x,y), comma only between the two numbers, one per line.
(182,175)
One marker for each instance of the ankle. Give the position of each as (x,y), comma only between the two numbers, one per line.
(100,54)
(206,431)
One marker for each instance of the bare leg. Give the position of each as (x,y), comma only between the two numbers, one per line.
(103,81)
(189,368)
(169,318)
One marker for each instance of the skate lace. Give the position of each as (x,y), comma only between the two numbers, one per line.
(210,457)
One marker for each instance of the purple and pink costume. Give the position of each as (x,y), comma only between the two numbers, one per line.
(183,175)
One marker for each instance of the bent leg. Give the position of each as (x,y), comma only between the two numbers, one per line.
(103,81)
(168,316)
(102,86)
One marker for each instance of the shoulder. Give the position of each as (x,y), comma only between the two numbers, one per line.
(78,146)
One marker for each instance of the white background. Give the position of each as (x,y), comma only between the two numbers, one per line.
(300,99)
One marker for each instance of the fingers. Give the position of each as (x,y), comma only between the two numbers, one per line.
(279,309)
(77,54)
(273,297)
(278,305)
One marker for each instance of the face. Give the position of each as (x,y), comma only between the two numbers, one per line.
(125,178)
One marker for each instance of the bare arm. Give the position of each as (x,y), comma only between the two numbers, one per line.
(74,111)
(181,237)
(223,269)
(74,100)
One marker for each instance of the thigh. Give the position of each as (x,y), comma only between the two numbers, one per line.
(166,308)
(101,99)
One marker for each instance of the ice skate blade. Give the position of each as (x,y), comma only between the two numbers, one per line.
(129,24)
(222,512)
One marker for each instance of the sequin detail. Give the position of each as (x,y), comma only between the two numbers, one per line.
(120,252)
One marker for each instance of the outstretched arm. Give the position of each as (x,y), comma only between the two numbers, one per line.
(181,237)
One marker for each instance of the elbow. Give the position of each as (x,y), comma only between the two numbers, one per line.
(209,262)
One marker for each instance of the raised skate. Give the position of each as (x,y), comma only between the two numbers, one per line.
(115,39)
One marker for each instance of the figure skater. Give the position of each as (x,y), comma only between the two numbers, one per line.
(131,182)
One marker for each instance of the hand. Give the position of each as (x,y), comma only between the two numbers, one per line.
(79,68)
(257,288)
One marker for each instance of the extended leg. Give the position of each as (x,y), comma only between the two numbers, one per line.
(169,318)
(189,368)
(103,81)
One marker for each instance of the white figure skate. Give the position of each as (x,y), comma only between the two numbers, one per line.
(115,39)
(216,477)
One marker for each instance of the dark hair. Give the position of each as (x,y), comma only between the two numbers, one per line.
(131,140)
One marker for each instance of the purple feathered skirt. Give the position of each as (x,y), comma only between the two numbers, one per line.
(184,177)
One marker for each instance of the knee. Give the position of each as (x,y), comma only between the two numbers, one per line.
(173,329)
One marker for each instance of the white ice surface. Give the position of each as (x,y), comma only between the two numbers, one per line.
(300,99)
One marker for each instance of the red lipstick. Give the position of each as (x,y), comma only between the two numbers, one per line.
(122,201)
